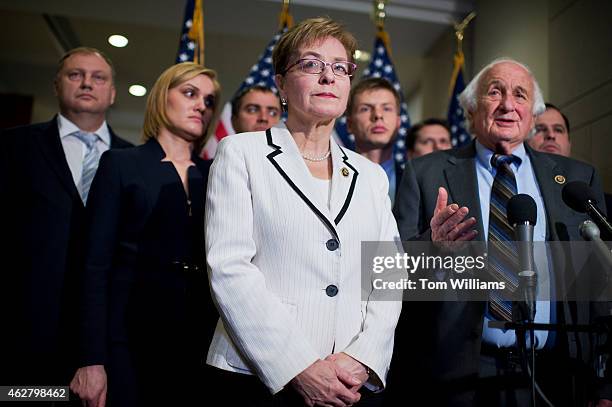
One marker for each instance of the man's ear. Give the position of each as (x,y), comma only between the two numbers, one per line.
(113,95)
(470,117)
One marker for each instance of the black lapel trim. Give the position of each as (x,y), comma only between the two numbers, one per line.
(347,201)
(277,151)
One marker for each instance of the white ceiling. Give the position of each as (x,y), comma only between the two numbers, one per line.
(236,33)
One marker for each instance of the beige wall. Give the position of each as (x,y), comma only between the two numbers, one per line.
(580,37)
(438,67)
(517,29)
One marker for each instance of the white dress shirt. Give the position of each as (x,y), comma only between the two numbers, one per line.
(75,149)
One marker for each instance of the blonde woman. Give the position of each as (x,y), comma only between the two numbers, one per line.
(146,297)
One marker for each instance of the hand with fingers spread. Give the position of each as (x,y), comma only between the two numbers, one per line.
(448,223)
(351,366)
(323,384)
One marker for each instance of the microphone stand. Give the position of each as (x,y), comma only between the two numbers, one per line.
(526,310)
(593,211)
(520,327)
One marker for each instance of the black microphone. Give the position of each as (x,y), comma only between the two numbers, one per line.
(589,231)
(522,215)
(581,198)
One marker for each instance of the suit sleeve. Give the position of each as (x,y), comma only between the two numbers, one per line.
(257,322)
(408,209)
(598,189)
(373,346)
(103,211)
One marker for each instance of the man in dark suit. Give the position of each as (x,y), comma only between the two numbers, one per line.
(373,117)
(552,135)
(445,352)
(46,170)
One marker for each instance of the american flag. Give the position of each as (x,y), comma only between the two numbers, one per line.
(456,118)
(191,44)
(262,74)
(381,66)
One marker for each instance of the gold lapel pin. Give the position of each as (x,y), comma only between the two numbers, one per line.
(345,171)
(560,179)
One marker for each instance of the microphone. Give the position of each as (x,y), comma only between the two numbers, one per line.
(589,231)
(522,215)
(581,198)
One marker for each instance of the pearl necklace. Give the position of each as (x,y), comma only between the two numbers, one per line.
(316,159)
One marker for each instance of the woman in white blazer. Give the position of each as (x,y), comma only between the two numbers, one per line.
(286,212)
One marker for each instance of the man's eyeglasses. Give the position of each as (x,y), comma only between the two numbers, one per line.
(315,66)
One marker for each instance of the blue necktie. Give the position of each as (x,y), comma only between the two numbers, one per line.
(503,254)
(90,161)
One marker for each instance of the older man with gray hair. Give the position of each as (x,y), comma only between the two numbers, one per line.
(461,195)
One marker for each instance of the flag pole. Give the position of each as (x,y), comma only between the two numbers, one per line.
(196,32)
(285,19)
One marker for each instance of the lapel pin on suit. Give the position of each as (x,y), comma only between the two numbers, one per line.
(345,171)
(560,179)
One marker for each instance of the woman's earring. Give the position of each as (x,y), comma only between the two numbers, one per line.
(283,103)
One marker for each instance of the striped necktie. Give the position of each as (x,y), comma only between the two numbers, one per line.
(90,161)
(503,254)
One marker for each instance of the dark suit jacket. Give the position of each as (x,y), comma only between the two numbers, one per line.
(399,171)
(137,300)
(42,219)
(443,342)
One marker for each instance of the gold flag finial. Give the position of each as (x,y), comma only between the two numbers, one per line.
(460,28)
(459,59)
(379,16)
(380,13)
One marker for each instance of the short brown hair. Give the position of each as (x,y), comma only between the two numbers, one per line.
(87,51)
(307,33)
(155,114)
(237,99)
(368,85)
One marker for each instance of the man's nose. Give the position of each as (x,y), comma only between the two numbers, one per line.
(508,102)
(87,81)
(549,135)
(377,114)
(262,116)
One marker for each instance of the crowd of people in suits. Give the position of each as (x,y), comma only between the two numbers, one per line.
(143,275)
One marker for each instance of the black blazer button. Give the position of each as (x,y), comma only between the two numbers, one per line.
(331,290)
(331,244)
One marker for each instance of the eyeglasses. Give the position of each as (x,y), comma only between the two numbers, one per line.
(315,66)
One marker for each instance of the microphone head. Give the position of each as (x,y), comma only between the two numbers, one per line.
(577,194)
(522,209)
(589,230)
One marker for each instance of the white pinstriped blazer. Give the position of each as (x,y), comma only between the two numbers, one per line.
(271,262)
